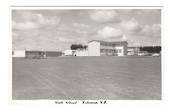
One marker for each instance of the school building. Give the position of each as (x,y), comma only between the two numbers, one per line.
(104,48)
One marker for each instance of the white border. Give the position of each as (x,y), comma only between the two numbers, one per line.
(84,7)
(5,62)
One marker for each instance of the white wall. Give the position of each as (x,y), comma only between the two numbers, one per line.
(94,48)
(68,52)
(81,53)
(18,53)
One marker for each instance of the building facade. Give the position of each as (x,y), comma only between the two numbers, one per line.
(78,52)
(81,52)
(133,51)
(35,54)
(53,53)
(69,52)
(103,48)
(18,53)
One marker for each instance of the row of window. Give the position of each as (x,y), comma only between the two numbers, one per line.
(111,51)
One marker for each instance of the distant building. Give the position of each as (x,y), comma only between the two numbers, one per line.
(131,51)
(69,52)
(53,53)
(103,48)
(35,54)
(78,52)
(151,49)
(81,52)
(18,53)
(144,51)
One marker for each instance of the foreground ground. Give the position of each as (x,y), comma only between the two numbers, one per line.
(87,78)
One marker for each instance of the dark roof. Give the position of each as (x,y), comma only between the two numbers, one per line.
(110,43)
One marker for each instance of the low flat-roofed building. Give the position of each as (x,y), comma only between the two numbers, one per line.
(18,53)
(104,48)
(131,51)
(69,52)
(81,52)
(53,53)
(35,54)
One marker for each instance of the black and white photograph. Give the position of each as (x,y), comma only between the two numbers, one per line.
(87,53)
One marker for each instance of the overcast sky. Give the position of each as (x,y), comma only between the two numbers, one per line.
(58,29)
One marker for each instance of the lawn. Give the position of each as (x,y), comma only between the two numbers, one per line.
(78,78)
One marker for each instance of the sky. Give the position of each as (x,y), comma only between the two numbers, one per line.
(57,29)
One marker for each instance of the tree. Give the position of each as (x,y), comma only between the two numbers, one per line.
(85,46)
(77,46)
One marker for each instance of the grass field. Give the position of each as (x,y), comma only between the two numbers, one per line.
(78,78)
